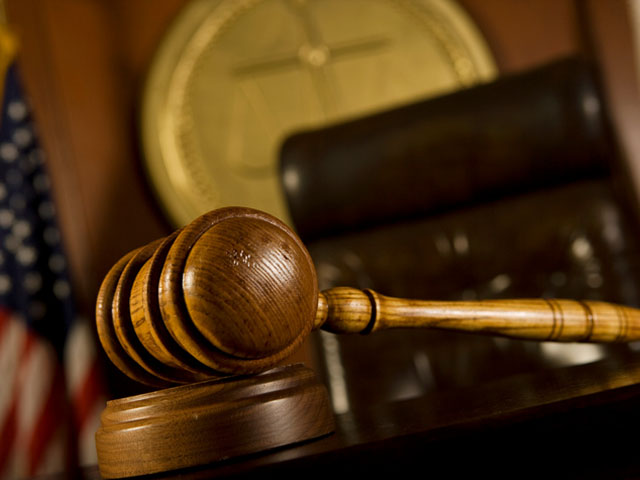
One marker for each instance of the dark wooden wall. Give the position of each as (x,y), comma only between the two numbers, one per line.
(84,62)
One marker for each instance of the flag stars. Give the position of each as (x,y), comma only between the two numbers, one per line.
(33,269)
(6,218)
(8,152)
(32,282)
(22,137)
(61,289)
(57,263)
(21,229)
(11,243)
(5,284)
(17,110)
(26,255)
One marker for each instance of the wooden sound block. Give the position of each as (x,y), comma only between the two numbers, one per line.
(210,421)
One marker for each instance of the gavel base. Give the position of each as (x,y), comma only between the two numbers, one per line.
(211,421)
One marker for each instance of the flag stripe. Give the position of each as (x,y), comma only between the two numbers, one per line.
(11,346)
(48,421)
(55,458)
(87,454)
(87,396)
(11,339)
(85,385)
(17,347)
(8,433)
(4,321)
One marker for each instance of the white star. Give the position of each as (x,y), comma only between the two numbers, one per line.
(5,284)
(26,255)
(57,263)
(61,289)
(11,243)
(8,152)
(17,110)
(6,218)
(22,137)
(21,229)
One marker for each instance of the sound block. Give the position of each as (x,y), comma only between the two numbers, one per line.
(210,421)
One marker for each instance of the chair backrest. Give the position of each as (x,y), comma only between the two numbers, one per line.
(508,189)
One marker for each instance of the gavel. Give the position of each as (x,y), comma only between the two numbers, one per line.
(235,292)
(211,309)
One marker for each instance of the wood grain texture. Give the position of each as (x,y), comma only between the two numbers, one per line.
(351,310)
(525,34)
(125,330)
(211,421)
(235,292)
(106,329)
(147,320)
(205,303)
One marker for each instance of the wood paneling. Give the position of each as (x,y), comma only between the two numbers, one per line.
(609,32)
(523,34)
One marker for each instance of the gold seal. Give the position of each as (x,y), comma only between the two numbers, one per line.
(233,78)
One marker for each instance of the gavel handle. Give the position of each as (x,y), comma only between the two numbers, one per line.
(349,310)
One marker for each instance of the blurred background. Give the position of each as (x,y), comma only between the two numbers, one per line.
(450,149)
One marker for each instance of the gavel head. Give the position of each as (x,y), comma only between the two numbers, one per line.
(234,292)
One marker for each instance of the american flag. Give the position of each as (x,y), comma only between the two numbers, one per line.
(51,393)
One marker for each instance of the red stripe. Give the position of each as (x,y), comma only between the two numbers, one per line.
(4,321)
(54,412)
(87,395)
(8,434)
(9,431)
(52,416)
(29,341)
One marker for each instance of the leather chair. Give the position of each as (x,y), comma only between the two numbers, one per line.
(506,190)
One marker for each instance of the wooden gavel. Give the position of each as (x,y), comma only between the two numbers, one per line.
(235,292)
